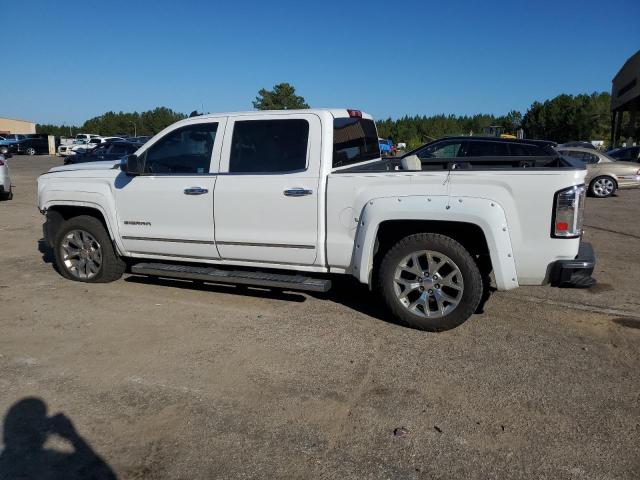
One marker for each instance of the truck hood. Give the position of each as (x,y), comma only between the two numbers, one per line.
(106,165)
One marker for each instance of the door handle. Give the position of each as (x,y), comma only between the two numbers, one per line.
(195,191)
(297,192)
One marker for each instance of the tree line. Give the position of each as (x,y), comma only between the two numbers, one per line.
(119,124)
(563,118)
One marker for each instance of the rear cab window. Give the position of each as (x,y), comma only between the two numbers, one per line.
(355,140)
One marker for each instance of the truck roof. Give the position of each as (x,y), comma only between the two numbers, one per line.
(335,112)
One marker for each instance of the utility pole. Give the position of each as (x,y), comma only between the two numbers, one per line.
(135,129)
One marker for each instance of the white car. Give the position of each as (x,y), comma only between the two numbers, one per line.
(298,195)
(81,145)
(6,192)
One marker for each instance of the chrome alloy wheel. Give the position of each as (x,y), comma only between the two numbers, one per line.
(81,254)
(603,187)
(428,284)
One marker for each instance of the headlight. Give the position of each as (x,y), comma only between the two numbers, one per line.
(568,212)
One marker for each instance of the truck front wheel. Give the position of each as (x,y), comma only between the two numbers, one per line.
(84,252)
(430,282)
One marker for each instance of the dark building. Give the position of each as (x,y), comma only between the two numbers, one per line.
(625,97)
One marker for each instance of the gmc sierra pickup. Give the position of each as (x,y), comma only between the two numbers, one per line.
(284,198)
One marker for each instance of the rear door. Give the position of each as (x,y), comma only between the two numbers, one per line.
(266,197)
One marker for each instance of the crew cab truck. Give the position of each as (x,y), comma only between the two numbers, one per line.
(282,199)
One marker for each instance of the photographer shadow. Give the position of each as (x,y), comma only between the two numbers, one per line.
(26,430)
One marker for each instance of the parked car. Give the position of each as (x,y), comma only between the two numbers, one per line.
(36,144)
(84,146)
(86,136)
(604,174)
(386,147)
(580,144)
(6,191)
(67,148)
(113,150)
(9,139)
(627,154)
(290,208)
(460,147)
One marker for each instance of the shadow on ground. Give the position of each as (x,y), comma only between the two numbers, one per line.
(346,290)
(46,251)
(26,430)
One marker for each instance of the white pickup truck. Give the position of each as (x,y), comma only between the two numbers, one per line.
(283,199)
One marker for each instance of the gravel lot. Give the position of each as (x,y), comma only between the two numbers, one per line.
(173,380)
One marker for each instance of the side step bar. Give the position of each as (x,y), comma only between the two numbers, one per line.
(239,277)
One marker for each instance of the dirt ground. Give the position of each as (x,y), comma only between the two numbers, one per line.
(166,379)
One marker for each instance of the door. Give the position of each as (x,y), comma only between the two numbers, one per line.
(168,209)
(266,199)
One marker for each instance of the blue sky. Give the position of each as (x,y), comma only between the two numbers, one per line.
(68,61)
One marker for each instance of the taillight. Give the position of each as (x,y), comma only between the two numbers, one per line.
(568,212)
(354,113)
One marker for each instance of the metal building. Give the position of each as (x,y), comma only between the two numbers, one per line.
(625,97)
(11,125)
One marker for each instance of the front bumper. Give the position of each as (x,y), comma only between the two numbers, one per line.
(575,273)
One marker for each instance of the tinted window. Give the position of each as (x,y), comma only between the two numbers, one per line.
(625,154)
(119,149)
(487,149)
(446,149)
(354,140)
(582,156)
(263,146)
(519,149)
(185,150)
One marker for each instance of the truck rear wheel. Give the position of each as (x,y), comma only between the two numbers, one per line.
(430,282)
(84,252)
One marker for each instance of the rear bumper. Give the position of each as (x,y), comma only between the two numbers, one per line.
(575,273)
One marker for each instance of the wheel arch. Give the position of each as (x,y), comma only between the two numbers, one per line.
(57,213)
(478,224)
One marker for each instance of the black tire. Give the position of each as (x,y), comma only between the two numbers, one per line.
(30,151)
(471,293)
(594,191)
(112,266)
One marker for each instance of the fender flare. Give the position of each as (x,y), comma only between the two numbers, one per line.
(488,215)
(109,222)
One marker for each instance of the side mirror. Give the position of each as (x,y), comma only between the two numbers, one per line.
(131,165)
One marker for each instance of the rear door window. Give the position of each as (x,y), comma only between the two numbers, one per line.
(487,149)
(354,140)
(269,146)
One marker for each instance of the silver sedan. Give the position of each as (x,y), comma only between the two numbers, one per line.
(604,174)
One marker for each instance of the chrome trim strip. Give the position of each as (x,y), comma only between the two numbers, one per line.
(218,260)
(203,242)
(277,245)
(171,240)
(172,255)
